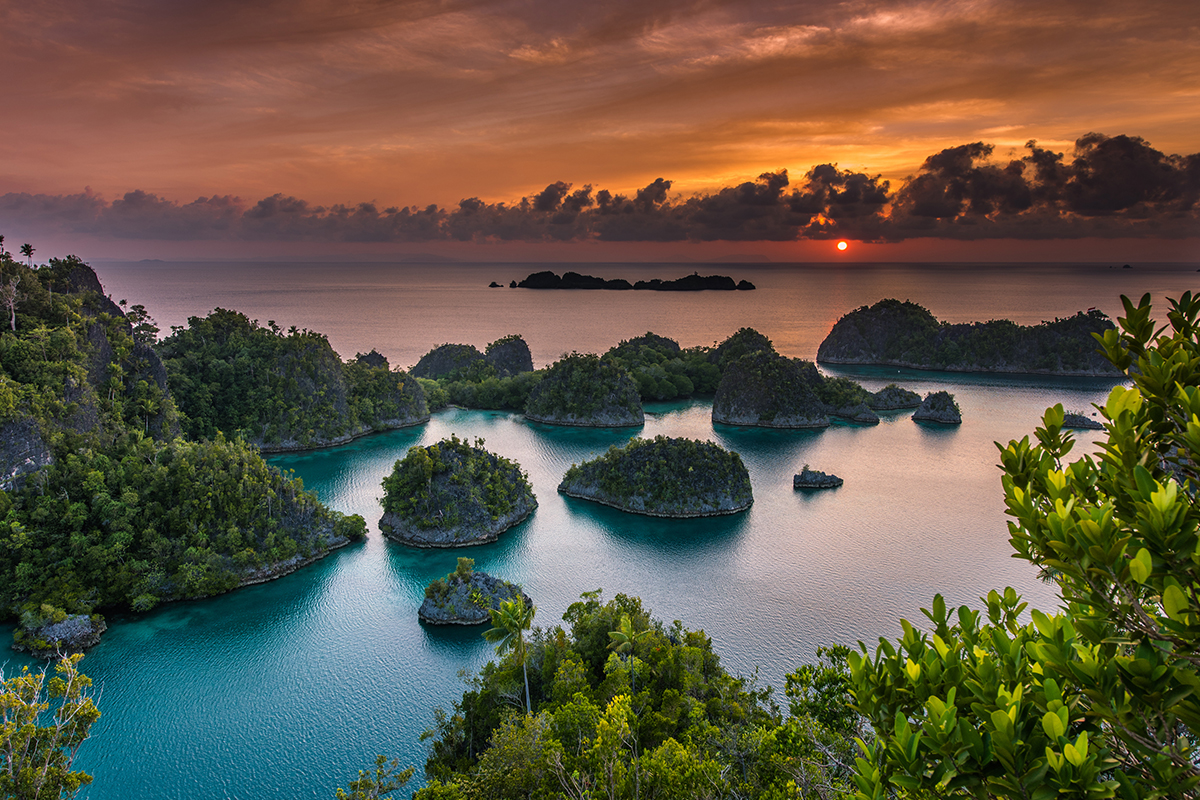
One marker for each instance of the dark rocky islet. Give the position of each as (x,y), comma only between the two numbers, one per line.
(815,479)
(939,407)
(1073,419)
(466,597)
(688,283)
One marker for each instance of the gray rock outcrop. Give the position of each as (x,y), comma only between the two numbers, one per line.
(74,634)
(1074,420)
(509,356)
(23,452)
(939,407)
(455,600)
(815,479)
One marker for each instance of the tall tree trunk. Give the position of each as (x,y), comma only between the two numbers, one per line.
(528,708)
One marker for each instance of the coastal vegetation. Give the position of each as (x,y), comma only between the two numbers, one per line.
(765,389)
(663,370)
(760,387)
(742,342)
(664,477)
(585,390)
(905,334)
(453,494)
(1097,699)
(102,505)
(466,597)
(500,378)
(622,706)
(280,390)
(38,749)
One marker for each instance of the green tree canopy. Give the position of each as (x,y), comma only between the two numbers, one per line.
(38,746)
(1103,698)
(509,623)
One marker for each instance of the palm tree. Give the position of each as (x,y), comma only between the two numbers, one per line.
(623,640)
(510,622)
(27,251)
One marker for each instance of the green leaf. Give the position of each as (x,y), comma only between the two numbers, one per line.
(1141,566)
(1052,725)
(1174,602)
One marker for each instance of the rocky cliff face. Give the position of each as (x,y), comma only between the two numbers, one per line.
(509,356)
(815,479)
(23,452)
(939,407)
(447,360)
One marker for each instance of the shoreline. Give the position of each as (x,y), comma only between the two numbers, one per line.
(658,514)
(271,450)
(979,371)
(487,539)
(579,424)
(265,575)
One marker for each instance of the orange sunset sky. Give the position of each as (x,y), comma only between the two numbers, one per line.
(233,128)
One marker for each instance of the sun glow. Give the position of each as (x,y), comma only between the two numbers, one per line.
(842,245)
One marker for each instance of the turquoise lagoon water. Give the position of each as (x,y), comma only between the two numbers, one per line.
(285,690)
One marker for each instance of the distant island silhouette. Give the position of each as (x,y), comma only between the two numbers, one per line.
(689,283)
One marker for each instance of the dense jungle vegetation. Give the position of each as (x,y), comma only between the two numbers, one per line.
(585,387)
(500,378)
(451,483)
(659,367)
(907,334)
(672,476)
(105,506)
(622,705)
(279,389)
(664,371)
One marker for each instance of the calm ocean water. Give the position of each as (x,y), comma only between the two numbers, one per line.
(285,690)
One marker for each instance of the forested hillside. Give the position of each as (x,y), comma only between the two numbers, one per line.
(104,505)
(281,390)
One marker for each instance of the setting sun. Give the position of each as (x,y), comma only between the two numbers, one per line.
(842,245)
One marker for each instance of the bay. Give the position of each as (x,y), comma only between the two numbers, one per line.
(286,689)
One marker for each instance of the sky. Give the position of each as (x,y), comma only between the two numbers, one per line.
(654,129)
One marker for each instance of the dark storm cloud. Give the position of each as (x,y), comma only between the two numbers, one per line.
(1116,186)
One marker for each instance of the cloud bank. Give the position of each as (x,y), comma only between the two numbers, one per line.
(1111,187)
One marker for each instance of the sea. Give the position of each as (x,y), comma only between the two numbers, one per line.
(287,689)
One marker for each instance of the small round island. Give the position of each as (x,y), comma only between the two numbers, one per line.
(663,477)
(466,597)
(453,494)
